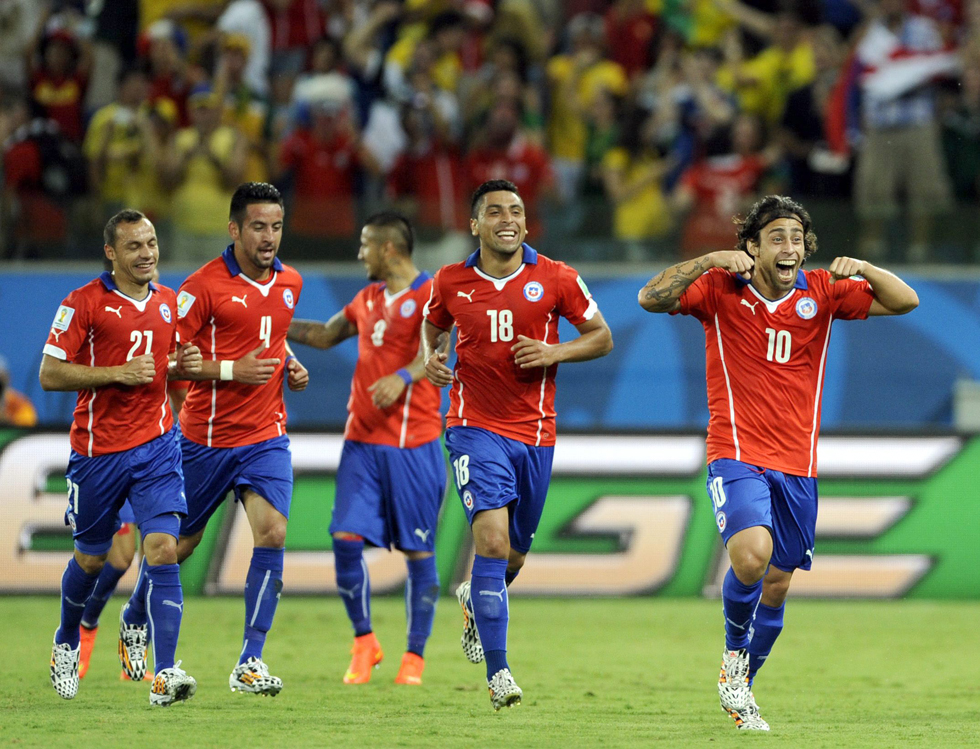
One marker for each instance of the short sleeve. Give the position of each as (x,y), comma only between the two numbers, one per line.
(435,309)
(575,302)
(192,309)
(852,298)
(352,307)
(701,297)
(68,329)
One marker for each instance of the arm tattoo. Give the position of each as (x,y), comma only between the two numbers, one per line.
(666,288)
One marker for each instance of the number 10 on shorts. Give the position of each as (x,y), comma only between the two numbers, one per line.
(462,468)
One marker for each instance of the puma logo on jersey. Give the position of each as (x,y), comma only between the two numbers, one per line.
(56,333)
(424,535)
(240,299)
(750,305)
(116,311)
(469,297)
(499,595)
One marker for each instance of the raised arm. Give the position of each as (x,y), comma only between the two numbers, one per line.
(892,295)
(594,340)
(435,351)
(56,374)
(663,292)
(319,334)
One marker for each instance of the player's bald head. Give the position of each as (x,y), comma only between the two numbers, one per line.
(391,226)
(769,209)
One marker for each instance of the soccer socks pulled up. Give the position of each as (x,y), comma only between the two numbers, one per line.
(76,588)
(491,610)
(164,608)
(263,585)
(134,612)
(421,594)
(739,601)
(353,583)
(105,586)
(766,626)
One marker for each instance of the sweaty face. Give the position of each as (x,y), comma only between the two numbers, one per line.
(260,234)
(780,253)
(500,224)
(135,253)
(371,253)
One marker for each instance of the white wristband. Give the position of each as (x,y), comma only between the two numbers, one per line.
(227,372)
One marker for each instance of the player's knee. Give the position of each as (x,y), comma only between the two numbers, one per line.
(750,565)
(160,548)
(272,536)
(91,564)
(186,546)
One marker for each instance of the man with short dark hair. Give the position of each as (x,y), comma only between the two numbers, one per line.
(237,308)
(767,328)
(505,300)
(111,340)
(392,474)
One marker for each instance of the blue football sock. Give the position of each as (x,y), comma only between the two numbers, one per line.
(263,585)
(76,587)
(353,583)
(490,610)
(511,576)
(134,612)
(164,608)
(739,602)
(105,586)
(421,594)
(766,626)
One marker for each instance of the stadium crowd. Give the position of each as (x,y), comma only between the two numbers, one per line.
(634,129)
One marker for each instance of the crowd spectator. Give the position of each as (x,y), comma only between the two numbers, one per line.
(59,77)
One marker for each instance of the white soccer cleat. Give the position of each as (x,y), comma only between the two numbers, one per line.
(472,647)
(749,718)
(172,685)
(733,681)
(504,691)
(64,670)
(253,676)
(132,648)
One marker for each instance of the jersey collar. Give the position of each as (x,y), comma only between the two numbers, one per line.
(530,256)
(110,283)
(235,269)
(420,279)
(800,280)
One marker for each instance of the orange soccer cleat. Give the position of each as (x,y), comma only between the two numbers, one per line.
(366,654)
(87,643)
(411,670)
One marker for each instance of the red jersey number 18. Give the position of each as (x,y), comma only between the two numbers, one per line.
(501,325)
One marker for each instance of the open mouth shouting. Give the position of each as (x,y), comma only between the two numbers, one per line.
(786,270)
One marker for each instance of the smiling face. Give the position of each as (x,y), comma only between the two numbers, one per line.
(500,222)
(778,255)
(257,239)
(135,253)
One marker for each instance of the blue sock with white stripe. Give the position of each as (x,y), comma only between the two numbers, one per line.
(739,601)
(263,584)
(766,626)
(421,594)
(353,583)
(164,608)
(491,610)
(76,588)
(134,612)
(105,586)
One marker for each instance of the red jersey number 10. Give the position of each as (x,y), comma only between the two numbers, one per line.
(780,344)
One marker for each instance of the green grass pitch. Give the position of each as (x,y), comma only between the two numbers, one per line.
(626,672)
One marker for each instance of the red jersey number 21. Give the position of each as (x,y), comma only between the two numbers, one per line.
(265,330)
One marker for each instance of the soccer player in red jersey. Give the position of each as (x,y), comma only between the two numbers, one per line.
(505,300)
(767,329)
(392,474)
(112,340)
(233,421)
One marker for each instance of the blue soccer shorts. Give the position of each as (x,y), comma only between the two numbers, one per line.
(745,496)
(211,472)
(391,496)
(491,472)
(149,475)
